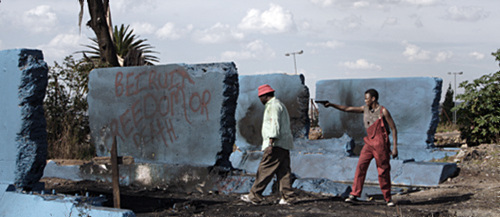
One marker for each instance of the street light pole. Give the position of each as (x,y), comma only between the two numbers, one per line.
(455,94)
(294,61)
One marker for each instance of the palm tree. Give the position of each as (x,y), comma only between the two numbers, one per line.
(130,50)
(99,12)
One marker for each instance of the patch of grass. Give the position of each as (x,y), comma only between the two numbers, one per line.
(446,127)
(445,159)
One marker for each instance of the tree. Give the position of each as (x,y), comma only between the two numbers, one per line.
(65,108)
(479,119)
(448,104)
(100,22)
(131,51)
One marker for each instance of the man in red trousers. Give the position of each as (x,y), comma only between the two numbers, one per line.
(376,118)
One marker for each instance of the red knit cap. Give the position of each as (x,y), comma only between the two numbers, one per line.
(265,88)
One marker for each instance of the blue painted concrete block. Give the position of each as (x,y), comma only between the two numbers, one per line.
(413,103)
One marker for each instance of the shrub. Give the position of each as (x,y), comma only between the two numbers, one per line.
(66,111)
(479,119)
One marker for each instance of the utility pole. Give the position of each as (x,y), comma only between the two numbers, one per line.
(455,95)
(294,61)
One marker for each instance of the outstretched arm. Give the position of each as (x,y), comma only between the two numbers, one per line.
(392,125)
(343,107)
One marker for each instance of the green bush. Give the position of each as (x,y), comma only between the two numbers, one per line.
(66,107)
(479,119)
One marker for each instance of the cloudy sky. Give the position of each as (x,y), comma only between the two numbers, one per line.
(341,39)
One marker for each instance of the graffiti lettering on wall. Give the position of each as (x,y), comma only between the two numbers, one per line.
(159,98)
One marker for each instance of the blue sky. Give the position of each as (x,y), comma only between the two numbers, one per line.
(341,39)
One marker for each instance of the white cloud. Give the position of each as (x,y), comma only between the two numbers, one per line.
(413,52)
(125,6)
(361,4)
(342,3)
(418,22)
(380,4)
(39,19)
(328,44)
(170,31)
(254,50)
(305,25)
(443,56)
(477,55)
(422,2)
(470,14)
(323,3)
(219,33)
(1,46)
(63,45)
(361,64)
(348,24)
(390,21)
(274,20)
(143,28)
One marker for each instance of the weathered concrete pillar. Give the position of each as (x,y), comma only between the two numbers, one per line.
(290,89)
(174,114)
(23,127)
(413,103)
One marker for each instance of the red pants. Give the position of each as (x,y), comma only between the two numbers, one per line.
(378,148)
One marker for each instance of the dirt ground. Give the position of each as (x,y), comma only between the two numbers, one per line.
(475,191)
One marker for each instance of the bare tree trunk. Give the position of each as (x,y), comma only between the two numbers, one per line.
(108,19)
(99,23)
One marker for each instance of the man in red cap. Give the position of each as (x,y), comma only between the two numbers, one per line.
(277,141)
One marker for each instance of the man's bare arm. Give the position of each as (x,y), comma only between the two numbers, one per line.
(394,130)
(341,107)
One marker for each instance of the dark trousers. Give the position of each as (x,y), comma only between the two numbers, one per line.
(278,162)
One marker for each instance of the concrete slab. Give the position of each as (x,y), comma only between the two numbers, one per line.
(327,159)
(153,110)
(71,172)
(201,180)
(323,187)
(418,173)
(16,204)
(10,113)
(243,183)
(239,184)
(413,103)
(3,188)
(22,129)
(290,89)
(183,177)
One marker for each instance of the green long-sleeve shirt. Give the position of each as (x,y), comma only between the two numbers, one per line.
(276,125)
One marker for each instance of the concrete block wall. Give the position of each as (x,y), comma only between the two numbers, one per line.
(22,121)
(23,142)
(290,89)
(413,103)
(173,114)
(19,204)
